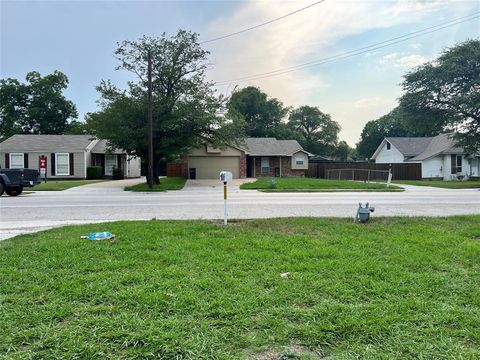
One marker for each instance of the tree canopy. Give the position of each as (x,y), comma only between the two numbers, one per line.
(186,111)
(448,89)
(318,132)
(375,131)
(262,115)
(35,107)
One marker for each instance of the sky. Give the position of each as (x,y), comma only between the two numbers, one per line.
(79,38)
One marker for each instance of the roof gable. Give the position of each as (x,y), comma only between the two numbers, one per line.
(101,147)
(421,148)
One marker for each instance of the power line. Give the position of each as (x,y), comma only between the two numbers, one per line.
(262,24)
(355,52)
(359,51)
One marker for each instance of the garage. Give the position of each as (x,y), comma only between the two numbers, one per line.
(209,167)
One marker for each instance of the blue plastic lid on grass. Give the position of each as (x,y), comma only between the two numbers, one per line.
(99,236)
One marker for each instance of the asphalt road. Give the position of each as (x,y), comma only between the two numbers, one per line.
(107,202)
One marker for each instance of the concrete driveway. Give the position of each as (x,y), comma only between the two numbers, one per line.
(204,200)
(105,186)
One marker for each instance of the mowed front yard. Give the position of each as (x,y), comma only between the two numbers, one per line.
(403,288)
(442,184)
(292,184)
(60,185)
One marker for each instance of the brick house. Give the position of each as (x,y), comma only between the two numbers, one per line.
(256,157)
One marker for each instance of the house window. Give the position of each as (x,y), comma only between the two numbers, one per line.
(16,161)
(110,163)
(299,160)
(265,165)
(459,164)
(62,164)
(388,145)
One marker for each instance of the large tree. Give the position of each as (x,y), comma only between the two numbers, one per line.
(35,107)
(263,116)
(375,131)
(186,111)
(449,87)
(318,132)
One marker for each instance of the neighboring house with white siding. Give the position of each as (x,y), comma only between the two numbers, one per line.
(439,156)
(68,156)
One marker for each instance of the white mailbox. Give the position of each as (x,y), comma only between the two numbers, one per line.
(226,176)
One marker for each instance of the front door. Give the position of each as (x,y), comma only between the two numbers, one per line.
(250,167)
(110,163)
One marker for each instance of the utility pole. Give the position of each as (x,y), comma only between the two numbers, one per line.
(150,122)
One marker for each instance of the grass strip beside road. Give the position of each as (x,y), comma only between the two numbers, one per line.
(404,288)
(442,184)
(299,184)
(59,185)
(390,189)
(169,183)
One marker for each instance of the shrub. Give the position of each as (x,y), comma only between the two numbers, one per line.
(94,172)
(117,173)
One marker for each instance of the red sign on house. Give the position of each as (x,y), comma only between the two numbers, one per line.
(43,162)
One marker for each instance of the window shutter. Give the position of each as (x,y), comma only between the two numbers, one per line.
(454,164)
(52,157)
(25,160)
(71,163)
(7,161)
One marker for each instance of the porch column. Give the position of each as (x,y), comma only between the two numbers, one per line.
(254,166)
(280,166)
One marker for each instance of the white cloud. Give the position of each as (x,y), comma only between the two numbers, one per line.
(406,61)
(303,37)
(370,102)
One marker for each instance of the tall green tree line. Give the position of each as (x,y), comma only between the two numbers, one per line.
(442,95)
(37,106)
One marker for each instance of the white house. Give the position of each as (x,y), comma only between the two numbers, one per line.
(439,156)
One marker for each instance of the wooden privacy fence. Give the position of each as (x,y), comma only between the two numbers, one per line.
(405,171)
(174,170)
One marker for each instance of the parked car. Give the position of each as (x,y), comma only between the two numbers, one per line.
(12,181)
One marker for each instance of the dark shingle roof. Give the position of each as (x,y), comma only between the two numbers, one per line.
(47,143)
(410,146)
(421,148)
(271,147)
(441,144)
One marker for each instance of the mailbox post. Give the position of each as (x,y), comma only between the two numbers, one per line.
(225,177)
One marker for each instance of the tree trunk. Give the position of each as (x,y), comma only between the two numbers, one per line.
(156,178)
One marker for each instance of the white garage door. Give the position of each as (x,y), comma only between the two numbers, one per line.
(209,167)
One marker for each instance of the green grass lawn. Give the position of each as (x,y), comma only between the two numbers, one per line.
(299,184)
(395,288)
(52,185)
(170,183)
(442,184)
